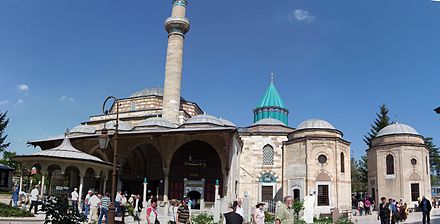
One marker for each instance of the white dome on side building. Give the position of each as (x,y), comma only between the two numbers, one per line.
(397,128)
(315,124)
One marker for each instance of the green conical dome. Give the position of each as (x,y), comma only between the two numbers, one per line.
(271,106)
(272,98)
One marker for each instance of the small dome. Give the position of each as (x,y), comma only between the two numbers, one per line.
(150,92)
(123,126)
(269,121)
(209,119)
(157,122)
(315,124)
(397,129)
(86,129)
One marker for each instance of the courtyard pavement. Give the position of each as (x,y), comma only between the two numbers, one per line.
(415,217)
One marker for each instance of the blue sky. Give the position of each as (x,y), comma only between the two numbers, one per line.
(335,60)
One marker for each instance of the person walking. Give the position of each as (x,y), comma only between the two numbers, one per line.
(384,214)
(94,202)
(34,199)
(367,205)
(138,208)
(258,217)
(361,207)
(105,202)
(183,215)
(152,216)
(239,207)
(118,201)
(233,217)
(87,204)
(74,197)
(172,211)
(284,213)
(425,206)
(15,196)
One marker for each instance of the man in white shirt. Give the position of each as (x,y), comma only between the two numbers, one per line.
(118,200)
(75,199)
(34,199)
(94,201)
(239,207)
(87,204)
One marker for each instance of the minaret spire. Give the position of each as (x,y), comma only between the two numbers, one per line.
(177,26)
(272,76)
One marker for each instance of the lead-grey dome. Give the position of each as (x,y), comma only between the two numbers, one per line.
(67,151)
(150,92)
(397,128)
(86,129)
(122,125)
(269,121)
(157,122)
(208,119)
(315,124)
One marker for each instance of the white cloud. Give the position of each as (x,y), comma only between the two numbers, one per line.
(301,15)
(4,102)
(20,101)
(66,98)
(23,88)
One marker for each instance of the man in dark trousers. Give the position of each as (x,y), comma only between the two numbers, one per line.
(384,212)
(232,217)
(425,206)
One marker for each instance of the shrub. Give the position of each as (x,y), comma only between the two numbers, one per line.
(323,220)
(344,220)
(269,217)
(202,218)
(58,211)
(7,211)
(297,207)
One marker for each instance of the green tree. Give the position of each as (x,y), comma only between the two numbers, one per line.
(381,121)
(3,123)
(7,160)
(434,159)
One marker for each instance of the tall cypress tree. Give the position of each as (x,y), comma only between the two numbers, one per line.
(3,123)
(381,121)
(434,159)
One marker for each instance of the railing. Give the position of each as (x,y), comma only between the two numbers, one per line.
(270,206)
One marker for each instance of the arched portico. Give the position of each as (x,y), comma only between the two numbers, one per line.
(195,167)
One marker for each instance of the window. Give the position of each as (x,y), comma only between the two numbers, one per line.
(413,161)
(323,199)
(4,176)
(296,194)
(390,164)
(342,163)
(415,194)
(322,159)
(427,172)
(266,193)
(268,154)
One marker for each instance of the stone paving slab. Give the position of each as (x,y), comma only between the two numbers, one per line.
(415,217)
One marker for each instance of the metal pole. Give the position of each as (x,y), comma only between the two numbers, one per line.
(111,208)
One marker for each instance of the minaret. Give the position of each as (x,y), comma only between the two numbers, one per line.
(177,26)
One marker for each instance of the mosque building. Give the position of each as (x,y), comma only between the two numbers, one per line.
(170,143)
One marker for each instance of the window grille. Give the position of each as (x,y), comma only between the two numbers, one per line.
(268,154)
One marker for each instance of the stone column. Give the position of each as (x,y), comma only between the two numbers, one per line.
(144,195)
(217,204)
(21,182)
(177,26)
(42,184)
(165,189)
(104,185)
(81,186)
(202,197)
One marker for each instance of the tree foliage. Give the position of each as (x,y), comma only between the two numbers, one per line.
(359,174)
(7,160)
(381,121)
(3,124)
(434,160)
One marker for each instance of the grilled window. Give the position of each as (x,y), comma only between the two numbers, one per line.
(415,192)
(390,164)
(323,197)
(268,154)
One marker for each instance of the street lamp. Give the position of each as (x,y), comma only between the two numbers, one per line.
(104,141)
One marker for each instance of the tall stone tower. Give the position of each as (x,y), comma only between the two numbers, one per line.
(177,26)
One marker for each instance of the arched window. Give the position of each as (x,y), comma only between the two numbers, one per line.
(268,155)
(390,164)
(342,163)
(296,194)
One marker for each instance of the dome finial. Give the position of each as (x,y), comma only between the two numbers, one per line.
(272,76)
(395,120)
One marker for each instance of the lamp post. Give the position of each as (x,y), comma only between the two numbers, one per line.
(104,141)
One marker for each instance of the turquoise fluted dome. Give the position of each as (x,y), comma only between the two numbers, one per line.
(271,106)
